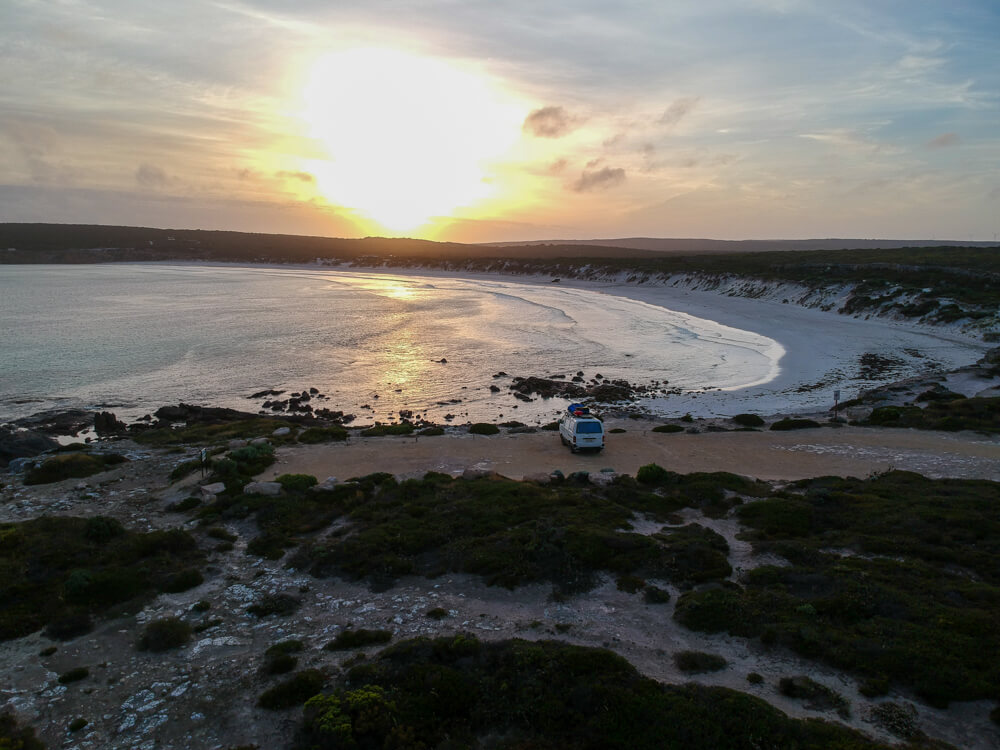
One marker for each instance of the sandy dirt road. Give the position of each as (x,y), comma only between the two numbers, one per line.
(845,451)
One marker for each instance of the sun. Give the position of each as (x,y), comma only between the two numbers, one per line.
(408,138)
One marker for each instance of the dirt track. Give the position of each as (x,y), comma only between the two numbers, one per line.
(845,451)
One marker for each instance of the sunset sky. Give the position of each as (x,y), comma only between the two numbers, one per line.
(490,120)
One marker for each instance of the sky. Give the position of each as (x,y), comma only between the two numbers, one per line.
(505,120)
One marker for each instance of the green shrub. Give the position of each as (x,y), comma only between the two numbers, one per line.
(630,584)
(202,605)
(874,687)
(101,529)
(668,428)
(755,678)
(274,604)
(716,610)
(293,692)
(77,724)
(748,420)
(164,634)
(71,465)
(655,595)
(74,675)
(814,695)
(15,737)
(794,424)
(438,613)
(358,638)
(279,663)
(380,430)
(431,432)
(483,428)
(285,647)
(182,581)
(188,503)
(313,435)
(697,662)
(652,474)
(297,482)
(617,430)
(217,532)
(269,546)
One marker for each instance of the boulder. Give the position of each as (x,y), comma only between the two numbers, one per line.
(271,489)
(23,444)
(259,441)
(209,491)
(106,423)
(57,422)
(327,484)
(281,432)
(17,465)
(602,479)
(236,443)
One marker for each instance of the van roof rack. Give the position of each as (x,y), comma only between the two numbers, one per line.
(578,410)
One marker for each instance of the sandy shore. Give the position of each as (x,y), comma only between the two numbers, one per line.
(845,451)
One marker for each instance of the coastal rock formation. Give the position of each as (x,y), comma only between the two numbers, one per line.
(106,423)
(23,444)
(191,413)
(57,422)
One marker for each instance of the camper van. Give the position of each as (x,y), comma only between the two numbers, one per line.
(581,430)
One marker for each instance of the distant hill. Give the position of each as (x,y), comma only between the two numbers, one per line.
(702,245)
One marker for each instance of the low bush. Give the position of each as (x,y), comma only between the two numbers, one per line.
(438,613)
(71,465)
(188,503)
(274,604)
(698,662)
(483,428)
(313,435)
(164,634)
(16,737)
(794,424)
(668,428)
(279,663)
(358,638)
(652,474)
(630,584)
(297,482)
(74,675)
(182,581)
(454,691)
(748,420)
(655,595)
(293,692)
(217,532)
(813,695)
(77,724)
(381,430)
(431,432)
(755,678)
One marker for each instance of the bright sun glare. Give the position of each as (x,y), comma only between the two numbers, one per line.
(408,138)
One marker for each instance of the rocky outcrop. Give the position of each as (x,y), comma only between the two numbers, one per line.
(23,444)
(190,413)
(106,423)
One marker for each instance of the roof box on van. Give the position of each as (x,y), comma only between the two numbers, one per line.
(578,410)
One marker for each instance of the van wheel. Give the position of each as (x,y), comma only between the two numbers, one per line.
(563,439)
(572,449)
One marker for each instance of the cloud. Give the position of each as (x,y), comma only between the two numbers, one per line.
(943,141)
(557,166)
(678,110)
(298,175)
(150,176)
(549,122)
(601,179)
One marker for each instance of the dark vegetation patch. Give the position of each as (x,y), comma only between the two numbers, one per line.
(358,638)
(979,414)
(164,634)
(483,428)
(381,430)
(513,533)
(72,465)
(655,595)
(202,434)
(794,424)
(455,691)
(74,675)
(437,613)
(274,604)
(894,578)
(698,662)
(695,554)
(313,435)
(296,482)
(77,724)
(431,432)
(16,737)
(748,420)
(63,571)
(294,691)
(668,428)
(813,695)
(280,659)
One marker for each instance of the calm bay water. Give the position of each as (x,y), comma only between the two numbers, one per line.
(130,338)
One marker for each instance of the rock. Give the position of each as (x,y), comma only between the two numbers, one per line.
(236,443)
(494,389)
(23,444)
(211,490)
(106,423)
(602,479)
(17,465)
(56,422)
(580,477)
(190,414)
(259,441)
(443,361)
(327,484)
(270,489)
(281,432)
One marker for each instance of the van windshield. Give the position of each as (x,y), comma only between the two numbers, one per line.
(588,427)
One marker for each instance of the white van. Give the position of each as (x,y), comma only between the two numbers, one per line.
(581,430)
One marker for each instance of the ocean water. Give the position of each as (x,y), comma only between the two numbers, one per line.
(132,337)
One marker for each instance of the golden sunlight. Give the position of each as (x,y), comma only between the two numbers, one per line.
(408,138)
